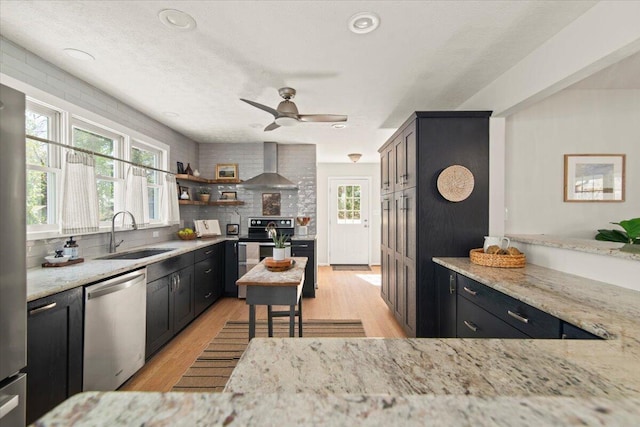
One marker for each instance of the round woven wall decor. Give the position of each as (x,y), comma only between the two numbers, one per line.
(455,183)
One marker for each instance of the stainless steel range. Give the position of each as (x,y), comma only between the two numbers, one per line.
(258,244)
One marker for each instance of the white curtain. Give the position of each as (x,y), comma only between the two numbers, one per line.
(80,194)
(170,199)
(136,198)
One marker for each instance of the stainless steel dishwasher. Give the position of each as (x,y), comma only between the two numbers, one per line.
(114,330)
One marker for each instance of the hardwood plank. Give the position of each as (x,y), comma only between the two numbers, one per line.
(340,295)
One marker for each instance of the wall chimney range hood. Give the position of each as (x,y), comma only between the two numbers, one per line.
(270,178)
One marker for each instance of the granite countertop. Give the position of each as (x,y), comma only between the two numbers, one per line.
(582,245)
(421,381)
(261,276)
(42,282)
(270,409)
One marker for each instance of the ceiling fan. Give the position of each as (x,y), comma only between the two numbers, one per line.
(287,113)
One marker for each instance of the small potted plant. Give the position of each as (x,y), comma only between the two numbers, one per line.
(204,194)
(630,236)
(279,250)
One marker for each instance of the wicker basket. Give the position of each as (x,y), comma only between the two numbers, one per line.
(478,256)
(191,236)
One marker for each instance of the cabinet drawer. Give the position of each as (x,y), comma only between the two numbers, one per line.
(530,320)
(474,322)
(168,266)
(570,332)
(207,252)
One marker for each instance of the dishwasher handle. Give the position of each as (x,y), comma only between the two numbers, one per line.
(115,285)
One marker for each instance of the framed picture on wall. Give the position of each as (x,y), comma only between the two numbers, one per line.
(271,204)
(233,229)
(227,171)
(594,177)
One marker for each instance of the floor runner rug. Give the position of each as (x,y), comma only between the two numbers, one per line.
(211,370)
(351,267)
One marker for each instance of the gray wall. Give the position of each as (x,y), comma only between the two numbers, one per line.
(295,162)
(28,68)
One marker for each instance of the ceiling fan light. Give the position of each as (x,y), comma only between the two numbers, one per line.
(354,157)
(286,121)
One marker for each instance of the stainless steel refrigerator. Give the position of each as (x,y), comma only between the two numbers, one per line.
(13,275)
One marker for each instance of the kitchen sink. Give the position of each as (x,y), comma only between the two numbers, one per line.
(141,253)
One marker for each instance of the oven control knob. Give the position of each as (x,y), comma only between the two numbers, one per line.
(253,222)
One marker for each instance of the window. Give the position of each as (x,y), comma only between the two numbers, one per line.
(349,204)
(144,154)
(109,173)
(79,128)
(43,167)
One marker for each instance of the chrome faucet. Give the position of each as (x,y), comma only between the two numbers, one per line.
(112,242)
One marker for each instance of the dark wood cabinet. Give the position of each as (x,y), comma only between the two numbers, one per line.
(387,169)
(307,248)
(570,332)
(446,282)
(475,322)
(208,276)
(170,300)
(417,222)
(231,268)
(531,321)
(54,351)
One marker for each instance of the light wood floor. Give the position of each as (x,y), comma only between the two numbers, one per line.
(340,295)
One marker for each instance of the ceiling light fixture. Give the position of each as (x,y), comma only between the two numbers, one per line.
(286,121)
(354,157)
(79,54)
(364,22)
(338,126)
(177,19)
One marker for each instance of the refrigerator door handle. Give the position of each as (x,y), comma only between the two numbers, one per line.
(9,404)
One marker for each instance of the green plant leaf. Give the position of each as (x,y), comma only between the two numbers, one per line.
(631,226)
(612,236)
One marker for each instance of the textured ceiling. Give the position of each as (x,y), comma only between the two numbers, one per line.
(426,55)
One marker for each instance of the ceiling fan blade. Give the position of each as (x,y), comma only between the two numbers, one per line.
(262,107)
(322,118)
(272,126)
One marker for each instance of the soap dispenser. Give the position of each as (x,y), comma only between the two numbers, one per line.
(71,248)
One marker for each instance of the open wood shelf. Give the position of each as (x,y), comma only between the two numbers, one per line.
(214,203)
(192,178)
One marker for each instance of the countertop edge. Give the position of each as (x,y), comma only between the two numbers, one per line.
(576,244)
(106,268)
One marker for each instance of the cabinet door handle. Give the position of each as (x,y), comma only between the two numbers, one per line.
(208,295)
(173,283)
(470,291)
(208,252)
(517,316)
(471,326)
(452,284)
(43,308)
(302,246)
(207,271)
(178,281)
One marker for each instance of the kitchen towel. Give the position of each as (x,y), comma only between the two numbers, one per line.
(207,227)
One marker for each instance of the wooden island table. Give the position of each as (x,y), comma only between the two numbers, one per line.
(271,288)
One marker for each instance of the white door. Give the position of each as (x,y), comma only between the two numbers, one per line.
(349,231)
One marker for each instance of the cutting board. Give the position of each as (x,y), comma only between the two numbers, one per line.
(284,265)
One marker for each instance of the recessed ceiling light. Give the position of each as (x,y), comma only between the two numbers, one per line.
(177,19)
(364,22)
(338,126)
(79,54)
(171,114)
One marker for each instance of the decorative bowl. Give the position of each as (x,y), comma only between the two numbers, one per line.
(51,259)
(191,236)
